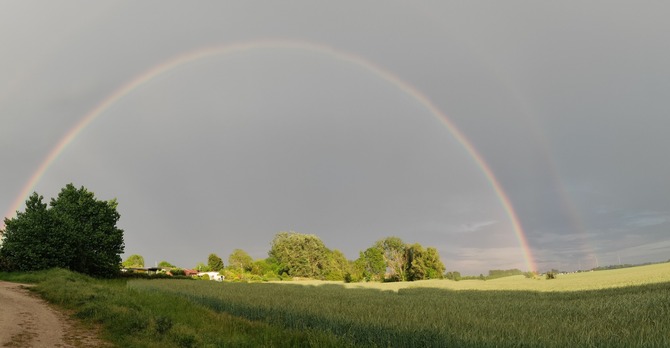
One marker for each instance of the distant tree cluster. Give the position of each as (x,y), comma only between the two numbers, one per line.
(455,275)
(75,231)
(389,259)
(134,261)
(305,255)
(166,264)
(297,255)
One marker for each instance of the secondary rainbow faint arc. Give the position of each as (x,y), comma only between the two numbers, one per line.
(283,44)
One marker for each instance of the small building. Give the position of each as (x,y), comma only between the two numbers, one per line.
(212,276)
(190,272)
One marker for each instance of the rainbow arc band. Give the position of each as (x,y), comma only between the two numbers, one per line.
(219,50)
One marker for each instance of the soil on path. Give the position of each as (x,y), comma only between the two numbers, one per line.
(28,321)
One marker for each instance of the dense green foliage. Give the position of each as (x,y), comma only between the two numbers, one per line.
(214,262)
(76,231)
(422,263)
(455,275)
(370,265)
(134,261)
(240,260)
(300,255)
(337,266)
(425,317)
(201,267)
(389,259)
(394,252)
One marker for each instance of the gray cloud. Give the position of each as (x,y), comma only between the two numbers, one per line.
(565,102)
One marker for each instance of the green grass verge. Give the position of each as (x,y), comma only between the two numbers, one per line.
(132,318)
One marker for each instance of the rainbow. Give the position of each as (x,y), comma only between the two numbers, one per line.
(347,57)
(567,206)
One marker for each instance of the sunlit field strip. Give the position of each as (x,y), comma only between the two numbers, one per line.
(416,315)
(648,274)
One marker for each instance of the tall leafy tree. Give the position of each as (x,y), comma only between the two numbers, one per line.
(300,255)
(337,266)
(370,264)
(415,267)
(28,241)
(394,253)
(434,267)
(214,262)
(240,260)
(77,232)
(423,263)
(89,226)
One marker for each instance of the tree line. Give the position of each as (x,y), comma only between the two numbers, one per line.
(297,255)
(77,231)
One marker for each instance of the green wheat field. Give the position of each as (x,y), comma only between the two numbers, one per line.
(627,307)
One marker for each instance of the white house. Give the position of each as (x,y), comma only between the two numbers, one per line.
(212,276)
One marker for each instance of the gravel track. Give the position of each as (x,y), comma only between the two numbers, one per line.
(28,321)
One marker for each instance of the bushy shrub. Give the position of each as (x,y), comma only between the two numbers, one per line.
(177,272)
(232,274)
(255,278)
(270,276)
(551,275)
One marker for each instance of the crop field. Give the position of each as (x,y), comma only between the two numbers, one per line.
(616,308)
(625,307)
(641,275)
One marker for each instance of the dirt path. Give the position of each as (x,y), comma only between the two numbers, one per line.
(28,321)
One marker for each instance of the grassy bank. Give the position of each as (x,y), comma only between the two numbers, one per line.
(183,313)
(132,318)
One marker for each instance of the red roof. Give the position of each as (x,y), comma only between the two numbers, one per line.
(190,272)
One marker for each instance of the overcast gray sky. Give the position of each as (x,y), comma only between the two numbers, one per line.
(567,102)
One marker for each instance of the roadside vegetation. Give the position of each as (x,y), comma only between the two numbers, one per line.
(133,318)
